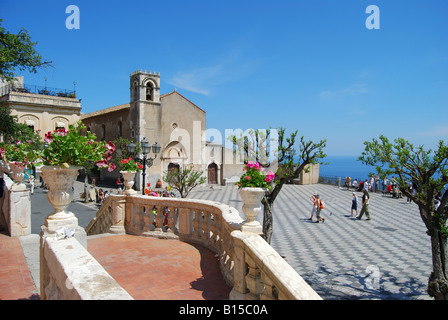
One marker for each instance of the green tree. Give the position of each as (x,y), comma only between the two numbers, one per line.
(428,171)
(121,144)
(14,131)
(293,159)
(184,180)
(17,52)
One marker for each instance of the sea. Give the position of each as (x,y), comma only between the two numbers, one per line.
(345,166)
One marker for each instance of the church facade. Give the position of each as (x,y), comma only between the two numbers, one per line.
(172,121)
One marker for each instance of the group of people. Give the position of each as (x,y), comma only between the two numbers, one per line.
(102,196)
(372,184)
(318,206)
(365,205)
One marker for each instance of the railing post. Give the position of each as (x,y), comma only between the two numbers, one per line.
(19,208)
(118,215)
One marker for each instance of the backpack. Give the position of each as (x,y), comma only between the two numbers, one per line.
(322,206)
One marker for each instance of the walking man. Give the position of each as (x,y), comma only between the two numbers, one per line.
(365,205)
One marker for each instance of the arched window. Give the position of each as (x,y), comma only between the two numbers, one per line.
(135,90)
(148,91)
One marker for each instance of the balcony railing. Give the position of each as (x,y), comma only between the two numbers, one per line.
(248,263)
(47,91)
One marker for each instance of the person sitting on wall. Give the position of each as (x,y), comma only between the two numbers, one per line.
(100,196)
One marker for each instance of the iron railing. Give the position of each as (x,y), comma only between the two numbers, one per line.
(43,90)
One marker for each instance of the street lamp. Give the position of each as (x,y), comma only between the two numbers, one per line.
(145,162)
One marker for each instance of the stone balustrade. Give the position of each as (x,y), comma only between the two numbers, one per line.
(71,273)
(261,273)
(248,263)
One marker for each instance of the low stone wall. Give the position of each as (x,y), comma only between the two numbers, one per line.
(73,274)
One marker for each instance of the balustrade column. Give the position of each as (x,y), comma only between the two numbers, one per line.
(184,216)
(172,219)
(206,226)
(253,280)
(197,224)
(270,291)
(159,219)
(239,290)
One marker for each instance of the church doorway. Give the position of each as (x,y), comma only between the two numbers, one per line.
(212,173)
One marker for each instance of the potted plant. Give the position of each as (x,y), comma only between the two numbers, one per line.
(64,154)
(252,188)
(128,169)
(19,156)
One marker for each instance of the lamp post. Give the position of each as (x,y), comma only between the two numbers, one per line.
(145,162)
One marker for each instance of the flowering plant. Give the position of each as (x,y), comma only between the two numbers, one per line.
(66,148)
(254,178)
(129,165)
(21,153)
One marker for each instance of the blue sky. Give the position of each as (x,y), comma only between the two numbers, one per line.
(310,66)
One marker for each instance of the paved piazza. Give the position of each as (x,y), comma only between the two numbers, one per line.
(388,257)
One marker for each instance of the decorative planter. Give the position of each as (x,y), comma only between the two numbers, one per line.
(17,175)
(60,183)
(129,182)
(251,208)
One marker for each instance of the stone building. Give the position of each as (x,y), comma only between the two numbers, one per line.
(41,108)
(172,121)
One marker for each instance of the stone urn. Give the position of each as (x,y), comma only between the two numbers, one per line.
(251,208)
(129,182)
(60,182)
(17,174)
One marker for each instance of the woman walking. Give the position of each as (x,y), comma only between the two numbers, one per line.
(313,211)
(354,205)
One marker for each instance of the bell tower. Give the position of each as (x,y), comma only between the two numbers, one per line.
(145,106)
(145,86)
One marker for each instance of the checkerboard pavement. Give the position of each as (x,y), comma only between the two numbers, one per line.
(388,257)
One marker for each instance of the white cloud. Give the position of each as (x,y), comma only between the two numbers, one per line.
(231,66)
(353,90)
(200,80)
(435,132)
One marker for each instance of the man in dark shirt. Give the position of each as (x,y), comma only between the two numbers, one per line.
(365,205)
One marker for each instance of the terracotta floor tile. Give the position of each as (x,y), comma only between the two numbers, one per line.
(160,269)
(15,278)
